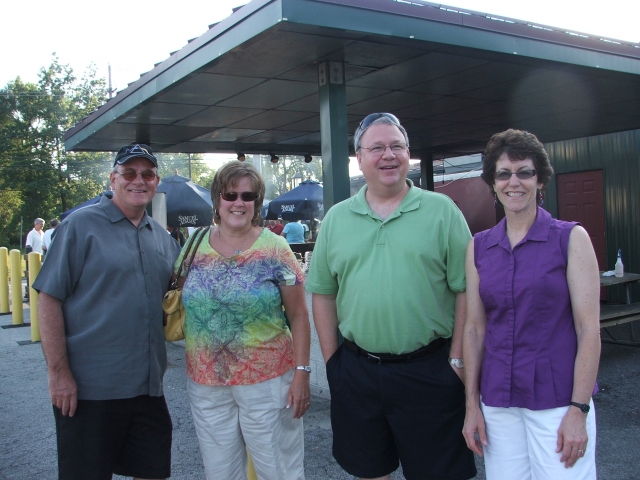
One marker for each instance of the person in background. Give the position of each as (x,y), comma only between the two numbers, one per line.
(293,232)
(276,226)
(532,333)
(33,242)
(46,239)
(176,234)
(306,230)
(248,373)
(100,306)
(396,292)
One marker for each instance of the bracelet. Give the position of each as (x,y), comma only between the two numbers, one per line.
(306,368)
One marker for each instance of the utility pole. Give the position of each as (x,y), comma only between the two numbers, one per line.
(189,157)
(111,90)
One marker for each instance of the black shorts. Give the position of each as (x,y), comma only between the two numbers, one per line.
(410,413)
(129,437)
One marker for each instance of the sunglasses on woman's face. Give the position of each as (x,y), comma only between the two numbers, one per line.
(233,196)
(521,174)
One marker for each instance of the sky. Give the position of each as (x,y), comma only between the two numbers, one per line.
(133,35)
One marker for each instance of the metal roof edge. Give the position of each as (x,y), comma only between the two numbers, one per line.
(462,16)
(479,33)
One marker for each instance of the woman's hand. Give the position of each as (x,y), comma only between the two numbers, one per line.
(572,437)
(474,424)
(299,394)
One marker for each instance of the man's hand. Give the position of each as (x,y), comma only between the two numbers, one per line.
(63,391)
(459,372)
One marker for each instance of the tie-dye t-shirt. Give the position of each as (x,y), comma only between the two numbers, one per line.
(235,329)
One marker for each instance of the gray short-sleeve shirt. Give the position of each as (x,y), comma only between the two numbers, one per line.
(111,277)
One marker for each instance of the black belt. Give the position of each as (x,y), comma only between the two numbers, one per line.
(379,358)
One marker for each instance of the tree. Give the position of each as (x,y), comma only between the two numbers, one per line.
(38,176)
(278,176)
(181,163)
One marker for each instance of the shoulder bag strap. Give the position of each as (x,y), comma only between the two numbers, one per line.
(185,268)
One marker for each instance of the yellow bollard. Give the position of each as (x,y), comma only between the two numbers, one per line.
(35,262)
(4,280)
(15,272)
(251,471)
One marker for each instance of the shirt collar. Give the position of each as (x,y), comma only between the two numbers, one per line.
(115,214)
(539,231)
(411,201)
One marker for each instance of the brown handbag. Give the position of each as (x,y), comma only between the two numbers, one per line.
(172,302)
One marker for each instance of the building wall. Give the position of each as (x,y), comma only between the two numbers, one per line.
(618,155)
(474,199)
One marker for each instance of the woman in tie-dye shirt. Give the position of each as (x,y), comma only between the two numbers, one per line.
(248,372)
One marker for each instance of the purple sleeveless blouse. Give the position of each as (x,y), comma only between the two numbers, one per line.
(530,341)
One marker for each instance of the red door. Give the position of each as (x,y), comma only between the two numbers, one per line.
(581,199)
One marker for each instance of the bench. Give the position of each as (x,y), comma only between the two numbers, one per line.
(611,315)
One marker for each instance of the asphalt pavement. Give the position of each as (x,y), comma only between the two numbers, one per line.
(27,433)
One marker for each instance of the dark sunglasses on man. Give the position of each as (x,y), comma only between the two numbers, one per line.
(129,174)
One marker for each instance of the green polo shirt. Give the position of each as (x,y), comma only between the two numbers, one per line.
(396,280)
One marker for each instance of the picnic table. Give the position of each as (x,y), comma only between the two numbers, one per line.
(618,314)
(302,248)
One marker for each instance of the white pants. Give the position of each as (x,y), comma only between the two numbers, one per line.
(227,418)
(523,442)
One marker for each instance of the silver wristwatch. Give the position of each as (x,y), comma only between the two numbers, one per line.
(456,362)
(306,368)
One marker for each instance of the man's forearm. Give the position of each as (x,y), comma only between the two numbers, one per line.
(458,325)
(62,385)
(325,318)
(51,323)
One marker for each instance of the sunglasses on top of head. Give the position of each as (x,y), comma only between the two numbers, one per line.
(233,196)
(521,174)
(129,174)
(369,119)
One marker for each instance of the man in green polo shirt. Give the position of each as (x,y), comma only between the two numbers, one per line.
(388,273)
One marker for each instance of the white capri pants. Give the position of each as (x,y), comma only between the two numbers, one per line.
(227,418)
(523,442)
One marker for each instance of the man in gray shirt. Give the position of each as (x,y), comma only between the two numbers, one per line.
(100,307)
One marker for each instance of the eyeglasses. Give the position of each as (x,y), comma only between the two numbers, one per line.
(233,196)
(521,174)
(378,150)
(369,119)
(130,175)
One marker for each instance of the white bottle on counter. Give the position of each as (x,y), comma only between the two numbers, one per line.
(619,265)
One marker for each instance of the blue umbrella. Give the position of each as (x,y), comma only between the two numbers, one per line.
(188,204)
(92,201)
(305,202)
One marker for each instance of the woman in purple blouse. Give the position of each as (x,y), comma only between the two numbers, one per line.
(532,336)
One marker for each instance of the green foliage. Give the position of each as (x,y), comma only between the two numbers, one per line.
(38,178)
(278,176)
(180,164)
